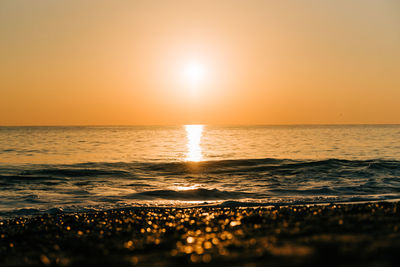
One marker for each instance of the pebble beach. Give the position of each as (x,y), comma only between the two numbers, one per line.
(315,235)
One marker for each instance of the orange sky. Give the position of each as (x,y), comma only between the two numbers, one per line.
(265,62)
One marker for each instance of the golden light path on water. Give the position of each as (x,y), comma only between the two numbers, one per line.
(194,134)
(194,154)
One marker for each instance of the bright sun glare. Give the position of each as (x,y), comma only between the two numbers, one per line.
(194,73)
(194,134)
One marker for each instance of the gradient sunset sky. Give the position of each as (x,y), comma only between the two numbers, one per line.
(256,62)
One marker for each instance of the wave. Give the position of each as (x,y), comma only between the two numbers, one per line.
(191,194)
(129,169)
(243,181)
(279,166)
(73,172)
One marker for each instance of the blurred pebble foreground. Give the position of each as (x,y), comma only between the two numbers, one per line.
(318,235)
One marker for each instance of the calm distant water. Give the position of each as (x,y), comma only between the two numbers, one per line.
(47,169)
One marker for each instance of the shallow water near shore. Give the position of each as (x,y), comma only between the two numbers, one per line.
(52,169)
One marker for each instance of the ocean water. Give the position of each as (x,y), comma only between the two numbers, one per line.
(55,169)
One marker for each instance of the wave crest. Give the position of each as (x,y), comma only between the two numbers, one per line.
(191,194)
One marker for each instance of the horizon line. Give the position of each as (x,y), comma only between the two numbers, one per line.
(216,124)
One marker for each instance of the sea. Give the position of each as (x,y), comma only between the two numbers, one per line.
(73,169)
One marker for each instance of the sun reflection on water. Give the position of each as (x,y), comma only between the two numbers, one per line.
(193,134)
(185,187)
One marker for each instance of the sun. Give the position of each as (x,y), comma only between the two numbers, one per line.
(194,73)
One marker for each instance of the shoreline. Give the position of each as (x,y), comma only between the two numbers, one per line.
(30,213)
(362,234)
